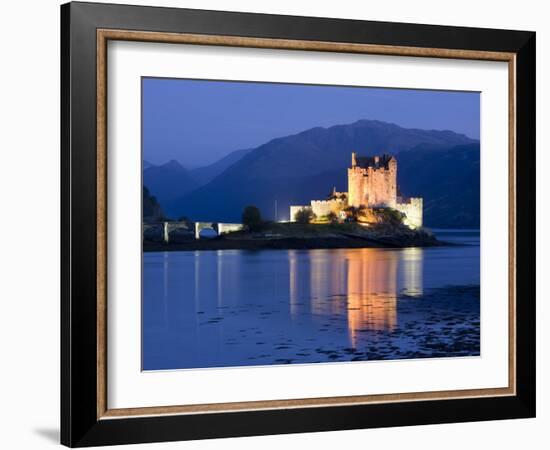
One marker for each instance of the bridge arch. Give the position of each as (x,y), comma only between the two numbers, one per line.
(199,226)
(169,227)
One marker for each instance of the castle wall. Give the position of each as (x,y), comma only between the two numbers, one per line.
(413,212)
(325,207)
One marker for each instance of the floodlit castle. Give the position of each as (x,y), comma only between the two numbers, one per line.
(372,183)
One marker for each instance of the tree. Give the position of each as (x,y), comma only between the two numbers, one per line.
(152,212)
(304,215)
(332,217)
(389,216)
(251,218)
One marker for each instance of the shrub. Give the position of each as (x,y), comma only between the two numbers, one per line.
(304,215)
(389,216)
(332,217)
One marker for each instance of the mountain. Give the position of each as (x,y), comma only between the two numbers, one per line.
(318,150)
(447,179)
(168,182)
(305,166)
(147,164)
(204,175)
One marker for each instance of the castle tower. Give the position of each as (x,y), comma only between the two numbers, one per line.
(372,181)
(353,159)
(391,182)
(356,186)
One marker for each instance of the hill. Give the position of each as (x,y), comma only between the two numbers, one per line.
(447,179)
(168,182)
(204,175)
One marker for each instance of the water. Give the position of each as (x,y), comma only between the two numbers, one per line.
(239,308)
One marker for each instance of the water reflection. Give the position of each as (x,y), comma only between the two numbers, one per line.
(372,291)
(361,284)
(412,271)
(231,307)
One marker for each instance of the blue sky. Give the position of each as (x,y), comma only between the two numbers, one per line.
(197,122)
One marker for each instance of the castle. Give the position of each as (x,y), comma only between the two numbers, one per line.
(372,183)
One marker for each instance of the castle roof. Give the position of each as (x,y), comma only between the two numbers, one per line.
(374,161)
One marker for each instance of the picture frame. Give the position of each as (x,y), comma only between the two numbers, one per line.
(86,29)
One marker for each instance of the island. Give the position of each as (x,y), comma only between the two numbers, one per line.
(372,213)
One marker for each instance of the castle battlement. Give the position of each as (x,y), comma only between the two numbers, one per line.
(327,202)
(414,201)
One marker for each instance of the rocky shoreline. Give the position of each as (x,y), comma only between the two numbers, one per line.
(298,243)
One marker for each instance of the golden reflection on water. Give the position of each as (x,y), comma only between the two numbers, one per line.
(359,284)
(372,291)
(327,278)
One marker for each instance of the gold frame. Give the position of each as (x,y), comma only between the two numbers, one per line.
(103,36)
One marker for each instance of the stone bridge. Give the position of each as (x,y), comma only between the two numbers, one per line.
(168,227)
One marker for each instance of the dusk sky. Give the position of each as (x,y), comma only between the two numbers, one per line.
(198,122)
